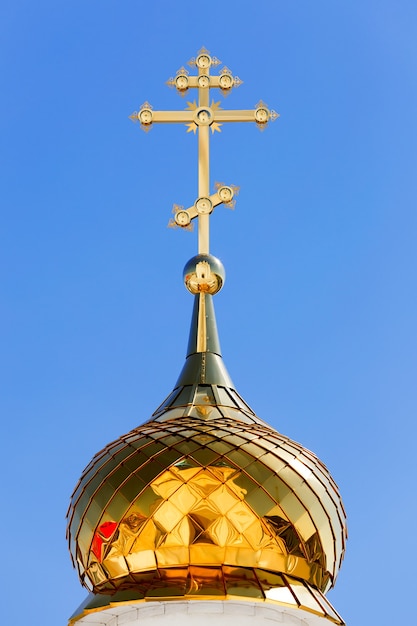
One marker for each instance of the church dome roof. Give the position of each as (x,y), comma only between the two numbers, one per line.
(206,499)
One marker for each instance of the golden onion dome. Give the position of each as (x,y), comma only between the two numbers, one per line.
(205,499)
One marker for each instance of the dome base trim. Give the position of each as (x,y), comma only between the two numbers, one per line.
(185,612)
(246,587)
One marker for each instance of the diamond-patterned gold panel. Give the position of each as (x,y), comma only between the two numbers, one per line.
(181,492)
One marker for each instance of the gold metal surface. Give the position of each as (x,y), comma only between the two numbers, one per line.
(219,583)
(187,491)
(201,116)
(224,195)
(202,329)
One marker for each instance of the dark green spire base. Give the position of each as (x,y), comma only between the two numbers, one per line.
(204,389)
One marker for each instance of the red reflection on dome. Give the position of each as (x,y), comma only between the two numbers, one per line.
(102,535)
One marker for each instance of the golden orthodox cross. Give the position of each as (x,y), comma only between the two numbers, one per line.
(203,117)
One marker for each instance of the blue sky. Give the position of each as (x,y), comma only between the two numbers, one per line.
(317,318)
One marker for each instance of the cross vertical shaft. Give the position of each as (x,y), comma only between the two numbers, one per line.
(203,171)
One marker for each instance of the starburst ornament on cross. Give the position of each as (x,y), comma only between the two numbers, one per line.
(202,116)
